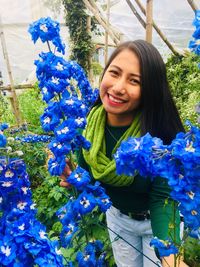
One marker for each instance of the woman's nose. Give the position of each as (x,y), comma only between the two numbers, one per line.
(119,86)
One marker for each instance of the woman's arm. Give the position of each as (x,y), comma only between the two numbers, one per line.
(169,262)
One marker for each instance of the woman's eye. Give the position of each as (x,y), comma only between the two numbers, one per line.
(134,81)
(113,72)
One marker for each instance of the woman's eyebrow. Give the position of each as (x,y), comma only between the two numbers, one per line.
(133,74)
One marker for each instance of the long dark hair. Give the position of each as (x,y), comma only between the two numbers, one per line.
(159,115)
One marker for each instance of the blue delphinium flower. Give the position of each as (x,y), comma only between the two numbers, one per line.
(165,247)
(85,203)
(68,232)
(47,30)
(23,239)
(3,126)
(56,165)
(3,141)
(8,251)
(33,138)
(93,255)
(194,45)
(134,155)
(196,21)
(59,149)
(79,178)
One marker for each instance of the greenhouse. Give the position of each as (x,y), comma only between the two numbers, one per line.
(99,133)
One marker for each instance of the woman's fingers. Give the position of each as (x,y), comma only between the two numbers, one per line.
(65,184)
(67,171)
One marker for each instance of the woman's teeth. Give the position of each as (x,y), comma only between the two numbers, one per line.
(115,100)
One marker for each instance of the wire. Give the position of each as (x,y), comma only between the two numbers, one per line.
(119,236)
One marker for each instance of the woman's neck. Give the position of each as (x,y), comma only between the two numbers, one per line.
(119,119)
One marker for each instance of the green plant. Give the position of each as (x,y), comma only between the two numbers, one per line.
(81,39)
(192,252)
(183,76)
(49,197)
(31,108)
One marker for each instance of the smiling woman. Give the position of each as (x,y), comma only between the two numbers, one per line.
(134,99)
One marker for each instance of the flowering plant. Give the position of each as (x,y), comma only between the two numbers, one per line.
(194,44)
(23,239)
(69,97)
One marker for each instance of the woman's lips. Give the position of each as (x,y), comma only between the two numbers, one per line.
(115,100)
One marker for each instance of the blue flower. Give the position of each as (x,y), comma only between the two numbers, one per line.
(66,131)
(136,155)
(67,213)
(3,126)
(3,140)
(56,165)
(33,138)
(194,45)
(104,202)
(47,30)
(79,178)
(58,148)
(73,107)
(85,203)
(165,247)
(8,251)
(80,142)
(86,259)
(196,21)
(67,233)
(51,117)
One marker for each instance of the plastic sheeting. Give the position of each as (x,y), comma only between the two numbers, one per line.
(174,17)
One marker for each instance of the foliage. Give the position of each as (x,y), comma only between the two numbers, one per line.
(81,39)
(192,252)
(31,108)
(184,76)
(96,68)
(49,197)
(6,113)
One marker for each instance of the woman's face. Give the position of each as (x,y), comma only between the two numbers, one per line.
(120,88)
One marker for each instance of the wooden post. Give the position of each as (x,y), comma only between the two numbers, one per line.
(136,13)
(192,4)
(101,20)
(106,33)
(13,99)
(149,20)
(90,56)
(162,36)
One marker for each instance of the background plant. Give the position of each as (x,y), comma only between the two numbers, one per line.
(82,46)
(184,76)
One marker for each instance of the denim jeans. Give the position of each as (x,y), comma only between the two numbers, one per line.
(137,233)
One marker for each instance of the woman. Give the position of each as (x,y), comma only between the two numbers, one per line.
(134,99)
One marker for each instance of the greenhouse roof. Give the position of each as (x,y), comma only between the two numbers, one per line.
(174,18)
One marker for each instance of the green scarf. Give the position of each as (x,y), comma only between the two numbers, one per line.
(103,168)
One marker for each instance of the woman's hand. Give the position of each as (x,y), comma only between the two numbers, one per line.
(169,262)
(67,171)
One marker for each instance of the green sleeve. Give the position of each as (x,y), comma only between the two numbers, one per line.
(165,218)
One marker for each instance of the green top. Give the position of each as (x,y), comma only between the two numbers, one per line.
(143,194)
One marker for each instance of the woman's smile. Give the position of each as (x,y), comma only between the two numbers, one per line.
(115,100)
